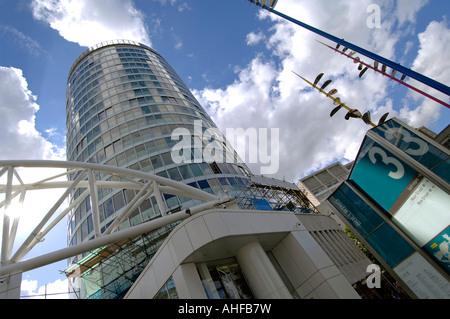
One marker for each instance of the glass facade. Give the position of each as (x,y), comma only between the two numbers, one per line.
(374,229)
(123,102)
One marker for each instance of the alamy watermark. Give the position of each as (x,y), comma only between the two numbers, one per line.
(374,19)
(208,144)
(374,279)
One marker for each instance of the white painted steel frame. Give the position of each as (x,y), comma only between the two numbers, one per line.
(147,184)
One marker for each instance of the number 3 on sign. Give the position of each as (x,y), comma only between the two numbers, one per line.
(387,160)
(406,136)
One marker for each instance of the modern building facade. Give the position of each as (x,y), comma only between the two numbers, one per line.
(321,184)
(124,102)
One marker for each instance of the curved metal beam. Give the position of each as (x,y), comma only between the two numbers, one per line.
(146,183)
(191,191)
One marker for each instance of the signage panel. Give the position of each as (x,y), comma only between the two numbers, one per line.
(380,174)
(371,226)
(439,249)
(414,203)
(425,213)
(422,150)
(355,210)
(422,278)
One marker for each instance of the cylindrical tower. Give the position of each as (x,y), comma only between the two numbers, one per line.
(123,103)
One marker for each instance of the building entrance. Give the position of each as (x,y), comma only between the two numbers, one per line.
(224,281)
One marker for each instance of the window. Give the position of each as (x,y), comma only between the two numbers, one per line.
(161,144)
(131,155)
(109,150)
(145,110)
(151,147)
(196,170)
(204,185)
(121,159)
(140,149)
(171,202)
(156,162)
(163,174)
(147,210)
(127,141)
(167,291)
(118,201)
(146,166)
(167,158)
(185,172)
(174,174)
(135,218)
(206,168)
(215,185)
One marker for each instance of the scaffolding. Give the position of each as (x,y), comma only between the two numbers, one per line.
(108,272)
(272,194)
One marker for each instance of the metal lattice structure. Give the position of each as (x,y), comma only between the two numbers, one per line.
(15,185)
(279,195)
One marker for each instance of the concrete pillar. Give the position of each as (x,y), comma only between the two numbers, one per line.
(188,282)
(261,274)
(208,282)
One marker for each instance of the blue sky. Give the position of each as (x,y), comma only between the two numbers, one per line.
(236,59)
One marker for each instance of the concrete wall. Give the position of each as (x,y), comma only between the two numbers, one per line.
(343,252)
(310,270)
(10,286)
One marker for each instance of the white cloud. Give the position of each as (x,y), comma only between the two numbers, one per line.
(90,22)
(178,43)
(407,10)
(254,38)
(434,51)
(55,290)
(33,47)
(28,287)
(432,61)
(181,6)
(21,141)
(18,107)
(267,93)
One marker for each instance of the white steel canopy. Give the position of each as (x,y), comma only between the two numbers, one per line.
(12,185)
